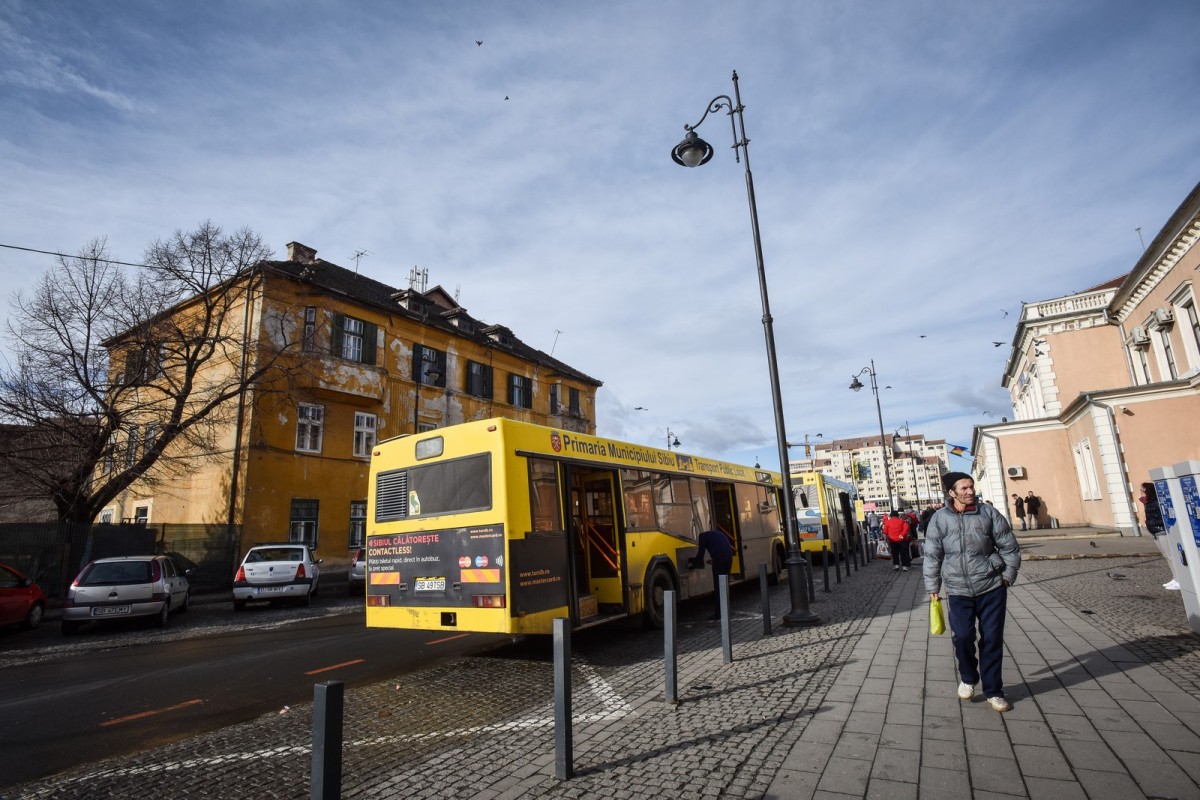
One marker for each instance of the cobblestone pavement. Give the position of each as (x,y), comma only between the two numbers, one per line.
(860,706)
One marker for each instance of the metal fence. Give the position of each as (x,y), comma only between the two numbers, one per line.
(53,553)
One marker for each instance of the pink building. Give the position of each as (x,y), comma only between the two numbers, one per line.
(1105,386)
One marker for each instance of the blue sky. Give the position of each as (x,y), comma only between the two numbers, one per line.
(920,168)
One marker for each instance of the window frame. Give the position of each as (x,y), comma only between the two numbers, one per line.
(306,425)
(478,381)
(356,535)
(365,435)
(300,521)
(520,390)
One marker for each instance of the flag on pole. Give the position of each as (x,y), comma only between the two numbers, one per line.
(958,450)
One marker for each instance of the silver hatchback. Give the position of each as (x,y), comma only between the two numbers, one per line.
(275,572)
(109,589)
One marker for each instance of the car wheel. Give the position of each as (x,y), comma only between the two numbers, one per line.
(239,605)
(316,589)
(660,582)
(70,628)
(160,620)
(187,599)
(34,618)
(306,600)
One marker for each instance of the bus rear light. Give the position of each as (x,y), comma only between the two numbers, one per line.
(378,600)
(488,601)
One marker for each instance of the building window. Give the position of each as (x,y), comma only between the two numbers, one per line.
(364,433)
(479,380)
(1164,337)
(1143,361)
(131,446)
(354,339)
(520,391)
(1085,471)
(141,515)
(310,329)
(1191,334)
(106,516)
(358,523)
(429,366)
(310,423)
(425,427)
(554,407)
(303,526)
(575,409)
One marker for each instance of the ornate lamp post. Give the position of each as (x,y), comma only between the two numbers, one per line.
(856,385)
(692,152)
(672,439)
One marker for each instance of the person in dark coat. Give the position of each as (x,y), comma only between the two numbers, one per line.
(720,552)
(1033,505)
(1019,507)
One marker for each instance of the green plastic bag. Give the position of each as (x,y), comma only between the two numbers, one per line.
(937,618)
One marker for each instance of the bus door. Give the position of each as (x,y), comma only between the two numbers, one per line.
(725,518)
(599,587)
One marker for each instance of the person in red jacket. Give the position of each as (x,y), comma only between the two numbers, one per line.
(895,529)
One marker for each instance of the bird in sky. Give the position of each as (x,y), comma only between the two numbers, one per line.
(640,408)
(887,387)
(997,344)
(478,43)
(1004,312)
(505,97)
(923,336)
(985,413)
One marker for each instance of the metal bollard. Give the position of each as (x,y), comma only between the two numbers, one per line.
(765,592)
(671,678)
(837,565)
(825,564)
(328,703)
(726,638)
(563,757)
(812,587)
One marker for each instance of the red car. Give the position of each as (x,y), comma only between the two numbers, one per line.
(21,601)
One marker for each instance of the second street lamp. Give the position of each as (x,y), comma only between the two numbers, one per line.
(856,385)
(692,152)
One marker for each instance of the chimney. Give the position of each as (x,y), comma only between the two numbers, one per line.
(301,254)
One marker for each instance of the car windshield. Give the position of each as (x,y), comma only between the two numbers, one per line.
(117,572)
(275,554)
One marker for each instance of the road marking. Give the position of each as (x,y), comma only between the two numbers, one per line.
(335,666)
(144,714)
(449,638)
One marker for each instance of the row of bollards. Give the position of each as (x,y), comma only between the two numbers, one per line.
(328,697)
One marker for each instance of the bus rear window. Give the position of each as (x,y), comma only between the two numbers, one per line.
(449,487)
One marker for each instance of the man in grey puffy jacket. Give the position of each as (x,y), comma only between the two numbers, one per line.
(972,556)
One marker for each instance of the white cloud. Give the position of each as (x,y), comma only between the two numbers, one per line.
(918,168)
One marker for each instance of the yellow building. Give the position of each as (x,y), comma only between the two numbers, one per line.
(366,361)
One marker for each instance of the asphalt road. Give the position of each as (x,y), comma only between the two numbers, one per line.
(126,687)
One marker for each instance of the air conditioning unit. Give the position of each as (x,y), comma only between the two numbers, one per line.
(1016,472)
(1138,336)
(1163,316)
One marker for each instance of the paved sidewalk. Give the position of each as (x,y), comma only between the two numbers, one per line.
(1102,672)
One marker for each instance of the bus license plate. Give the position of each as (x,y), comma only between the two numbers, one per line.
(429,585)
(107,611)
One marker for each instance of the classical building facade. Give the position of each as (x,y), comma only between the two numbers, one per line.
(370,361)
(1105,386)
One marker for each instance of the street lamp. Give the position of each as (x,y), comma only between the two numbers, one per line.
(856,385)
(692,152)
(672,439)
(913,457)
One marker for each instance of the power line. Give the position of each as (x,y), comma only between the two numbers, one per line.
(64,255)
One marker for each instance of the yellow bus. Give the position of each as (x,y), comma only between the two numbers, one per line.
(501,526)
(823,518)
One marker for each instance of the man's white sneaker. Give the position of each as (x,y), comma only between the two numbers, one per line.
(895,569)
(1171,585)
(904,569)
(965,691)
(999,704)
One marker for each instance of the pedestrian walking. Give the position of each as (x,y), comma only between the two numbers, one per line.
(873,522)
(972,556)
(895,528)
(1019,505)
(1033,504)
(720,552)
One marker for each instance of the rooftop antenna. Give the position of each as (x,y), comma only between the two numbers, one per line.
(418,278)
(457,292)
(358,254)
(1140,239)
(557,332)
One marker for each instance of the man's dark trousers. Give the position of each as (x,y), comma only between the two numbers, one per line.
(989,610)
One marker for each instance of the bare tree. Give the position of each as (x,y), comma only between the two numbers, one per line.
(125,374)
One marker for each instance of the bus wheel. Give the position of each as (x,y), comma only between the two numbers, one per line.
(660,582)
(779,567)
